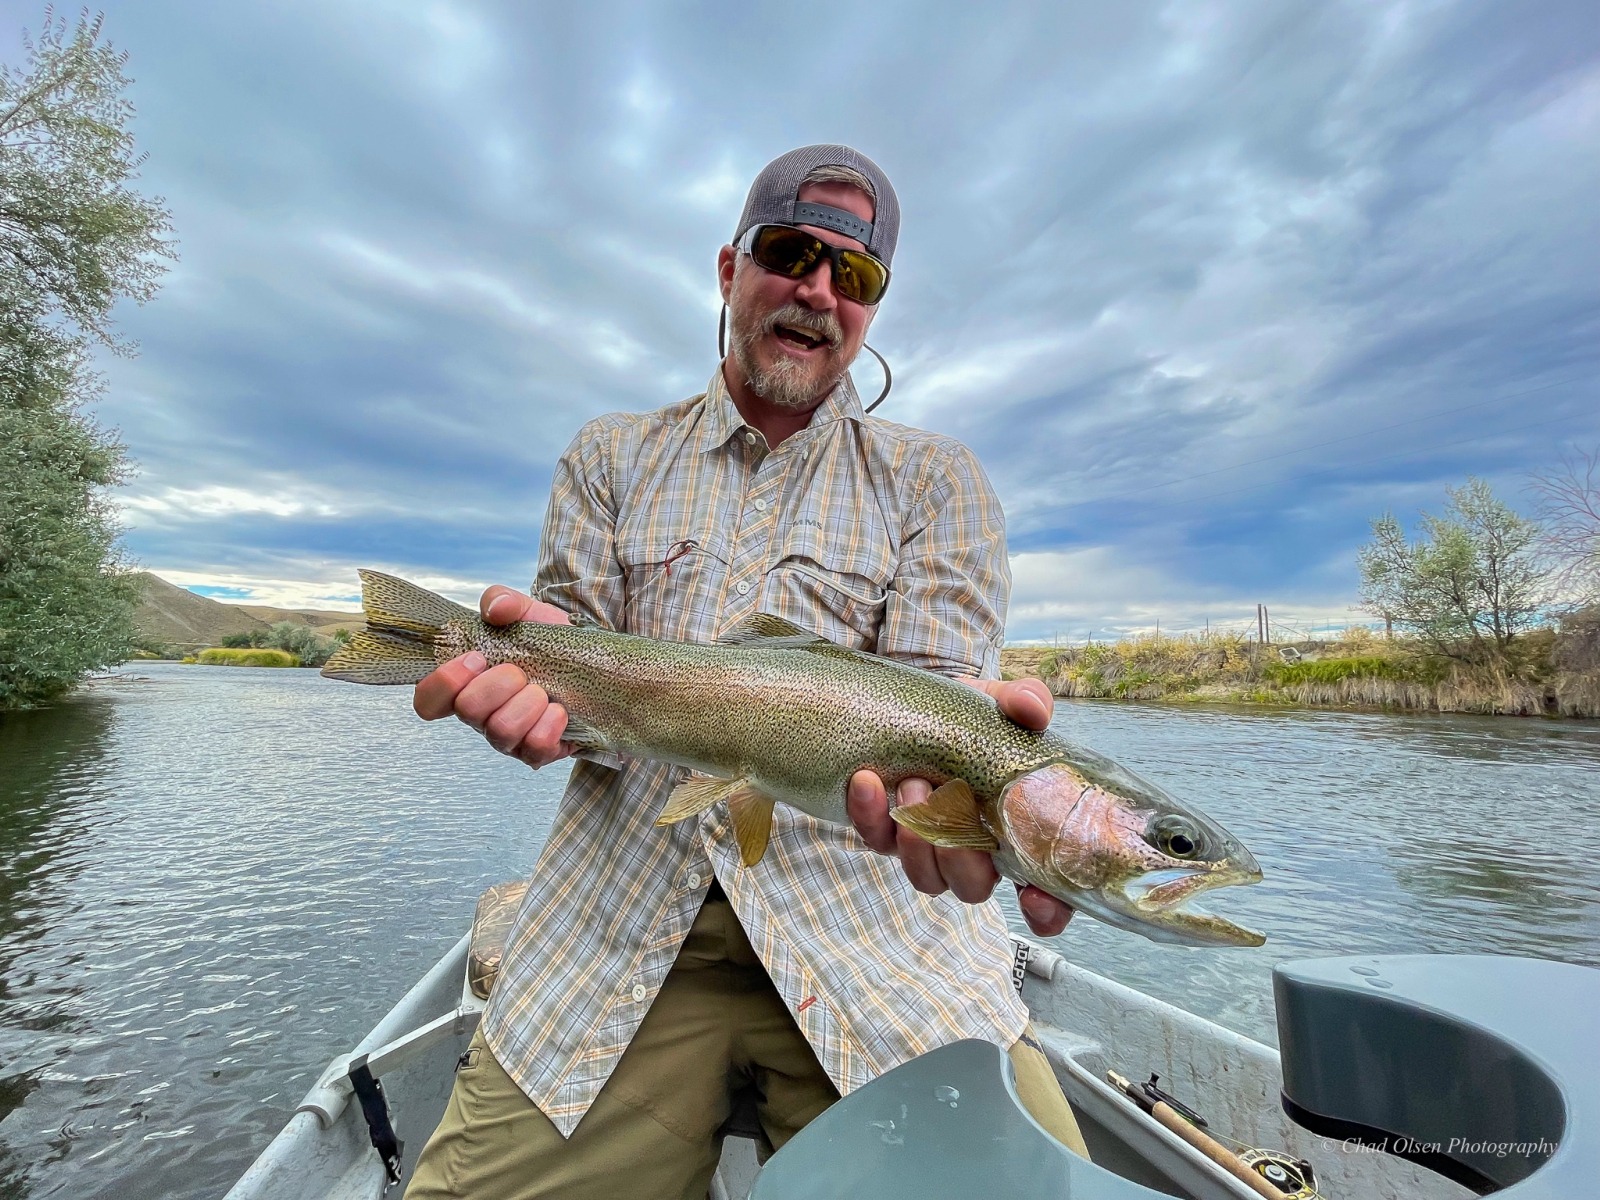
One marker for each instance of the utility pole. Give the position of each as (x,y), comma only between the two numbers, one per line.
(1261,624)
(1266,625)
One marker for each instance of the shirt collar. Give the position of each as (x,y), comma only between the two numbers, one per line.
(720,419)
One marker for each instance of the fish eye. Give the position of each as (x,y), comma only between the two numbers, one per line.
(1175,836)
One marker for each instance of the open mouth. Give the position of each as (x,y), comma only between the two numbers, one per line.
(1167,896)
(799,339)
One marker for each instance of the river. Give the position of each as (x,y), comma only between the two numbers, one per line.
(213,880)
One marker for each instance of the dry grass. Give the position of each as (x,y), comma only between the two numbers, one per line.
(1360,670)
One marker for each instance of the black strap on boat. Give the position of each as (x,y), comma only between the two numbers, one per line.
(376,1110)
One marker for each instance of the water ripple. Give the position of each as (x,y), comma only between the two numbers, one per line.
(213,881)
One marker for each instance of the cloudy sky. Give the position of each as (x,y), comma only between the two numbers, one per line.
(1207,286)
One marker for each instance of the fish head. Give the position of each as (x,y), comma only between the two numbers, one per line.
(1097,837)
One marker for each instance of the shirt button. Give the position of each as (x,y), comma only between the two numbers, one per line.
(742,587)
(760,505)
(693,879)
(750,437)
(639,992)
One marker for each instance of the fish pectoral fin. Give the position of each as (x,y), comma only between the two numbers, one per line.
(584,736)
(752,823)
(694,795)
(948,818)
(766,629)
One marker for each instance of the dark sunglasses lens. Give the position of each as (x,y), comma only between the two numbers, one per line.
(790,252)
(794,252)
(860,277)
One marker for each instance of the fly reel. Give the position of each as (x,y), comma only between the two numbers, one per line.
(1291,1176)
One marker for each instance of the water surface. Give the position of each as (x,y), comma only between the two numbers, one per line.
(214,880)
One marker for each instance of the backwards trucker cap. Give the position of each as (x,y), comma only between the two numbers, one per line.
(772,199)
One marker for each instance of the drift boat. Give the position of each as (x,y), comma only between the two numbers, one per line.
(1413,1077)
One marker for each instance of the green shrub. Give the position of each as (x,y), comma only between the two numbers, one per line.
(248,658)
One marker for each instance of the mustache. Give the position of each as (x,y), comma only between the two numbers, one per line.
(807,321)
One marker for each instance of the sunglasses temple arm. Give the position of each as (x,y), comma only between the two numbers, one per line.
(888,379)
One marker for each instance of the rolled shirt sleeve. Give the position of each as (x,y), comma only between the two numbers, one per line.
(946,608)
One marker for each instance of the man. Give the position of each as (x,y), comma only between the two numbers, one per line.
(649,974)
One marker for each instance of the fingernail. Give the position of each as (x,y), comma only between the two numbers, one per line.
(474,662)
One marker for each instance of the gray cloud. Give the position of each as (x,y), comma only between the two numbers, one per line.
(421,244)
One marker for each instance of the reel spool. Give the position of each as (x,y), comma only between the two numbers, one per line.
(1291,1176)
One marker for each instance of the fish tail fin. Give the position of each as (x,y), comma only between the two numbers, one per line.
(402,622)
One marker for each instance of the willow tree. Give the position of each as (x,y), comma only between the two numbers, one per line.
(1469,586)
(75,238)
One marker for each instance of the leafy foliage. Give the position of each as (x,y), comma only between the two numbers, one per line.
(1468,586)
(305,643)
(74,239)
(247,658)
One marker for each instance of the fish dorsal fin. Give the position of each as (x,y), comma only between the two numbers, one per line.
(949,817)
(752,824)
(767,629)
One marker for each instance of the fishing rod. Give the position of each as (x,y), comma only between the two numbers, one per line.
(1269,1173)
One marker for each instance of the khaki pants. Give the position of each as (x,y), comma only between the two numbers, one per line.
(653,1131)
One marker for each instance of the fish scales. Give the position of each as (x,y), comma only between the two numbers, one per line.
(775,714)
(797,720)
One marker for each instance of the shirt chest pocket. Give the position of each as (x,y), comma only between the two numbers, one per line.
(837,587)
(671,581)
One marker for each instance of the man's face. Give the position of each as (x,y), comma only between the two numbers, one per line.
(793,339)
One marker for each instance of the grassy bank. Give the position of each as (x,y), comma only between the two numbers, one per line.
(245,658)
(1548,674)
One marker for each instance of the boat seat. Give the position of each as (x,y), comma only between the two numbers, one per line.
(948,1123)
(1478,1067)
(491,925)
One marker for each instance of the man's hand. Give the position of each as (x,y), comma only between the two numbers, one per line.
(514,715)
(970,874)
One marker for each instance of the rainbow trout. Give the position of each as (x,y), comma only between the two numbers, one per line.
(775,713)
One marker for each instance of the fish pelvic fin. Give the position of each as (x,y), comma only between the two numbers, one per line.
(949,818)
(752,824)
(584,735)
(694,795)
(402,622)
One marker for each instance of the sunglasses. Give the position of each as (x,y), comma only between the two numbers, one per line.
(785,250)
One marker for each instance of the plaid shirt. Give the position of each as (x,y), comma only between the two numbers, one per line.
(678,524)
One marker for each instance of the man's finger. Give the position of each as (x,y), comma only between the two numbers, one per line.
(543,745)
(501,605)
(1027,702)
(867,804)
(482,698)
(920,860)
(435,696)
(510,723)
(1045,915)
(969,873)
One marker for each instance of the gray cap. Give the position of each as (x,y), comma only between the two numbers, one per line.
(772,198)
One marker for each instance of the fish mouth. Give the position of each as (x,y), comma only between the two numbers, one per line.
(1164,899)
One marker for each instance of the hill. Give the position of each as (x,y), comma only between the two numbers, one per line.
(174,616)
(168,613)
(323,620)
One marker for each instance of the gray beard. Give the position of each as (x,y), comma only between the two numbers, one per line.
(787,383)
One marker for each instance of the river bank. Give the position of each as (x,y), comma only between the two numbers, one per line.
(1549,672)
